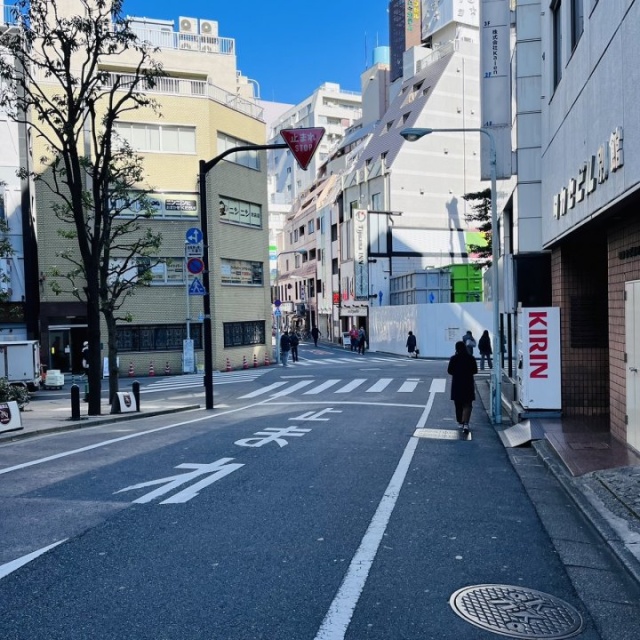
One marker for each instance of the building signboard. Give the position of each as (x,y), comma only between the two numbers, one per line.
(361,265)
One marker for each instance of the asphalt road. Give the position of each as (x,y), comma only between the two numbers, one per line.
(308,505)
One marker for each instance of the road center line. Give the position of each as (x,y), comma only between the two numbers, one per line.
(335,624)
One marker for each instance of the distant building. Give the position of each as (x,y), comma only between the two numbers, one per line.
(404,31)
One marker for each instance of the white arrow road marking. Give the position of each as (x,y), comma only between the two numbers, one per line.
(315,416)
(218,469)
(10,567)
(335,624)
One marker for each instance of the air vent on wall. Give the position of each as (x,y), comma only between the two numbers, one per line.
(188,25)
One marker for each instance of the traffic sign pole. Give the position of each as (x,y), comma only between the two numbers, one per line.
(203,169)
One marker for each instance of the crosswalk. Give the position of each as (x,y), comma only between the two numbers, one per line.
(336,385)
(194,380)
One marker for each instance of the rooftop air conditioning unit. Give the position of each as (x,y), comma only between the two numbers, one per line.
(188,25)
(209,28)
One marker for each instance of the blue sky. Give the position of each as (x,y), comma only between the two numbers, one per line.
(290,47)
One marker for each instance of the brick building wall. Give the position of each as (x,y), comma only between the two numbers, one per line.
(622,269)
(579,282)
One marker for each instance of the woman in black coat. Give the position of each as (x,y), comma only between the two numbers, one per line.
(462,367)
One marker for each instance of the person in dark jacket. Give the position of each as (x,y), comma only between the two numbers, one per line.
(462,367)
(315,334)
(285,347)
(411,345)
(295,341)
(484,347)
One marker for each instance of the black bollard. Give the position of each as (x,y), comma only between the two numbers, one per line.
(75,402)
(135,387)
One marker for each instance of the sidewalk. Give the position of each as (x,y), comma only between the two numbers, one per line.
(599,473)
(52,415)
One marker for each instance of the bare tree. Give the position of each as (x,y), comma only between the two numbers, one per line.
(55,82)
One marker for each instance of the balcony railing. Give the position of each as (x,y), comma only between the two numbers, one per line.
(200,88)
(188,41)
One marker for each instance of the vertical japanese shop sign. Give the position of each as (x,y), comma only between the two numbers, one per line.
(495,87)
(361,264)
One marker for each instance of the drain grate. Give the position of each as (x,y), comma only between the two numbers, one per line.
(516,612)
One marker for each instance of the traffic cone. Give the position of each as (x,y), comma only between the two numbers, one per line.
(131,373)
(228,365)
(245,364)
(266,359)
(167,369)
(255,361)
(151,369)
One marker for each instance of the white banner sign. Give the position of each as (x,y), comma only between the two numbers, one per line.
(361,255)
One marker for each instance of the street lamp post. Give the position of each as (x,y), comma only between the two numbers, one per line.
(204,168)
(302,252)
(412,134)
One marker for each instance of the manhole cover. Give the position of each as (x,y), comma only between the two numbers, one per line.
(516,612)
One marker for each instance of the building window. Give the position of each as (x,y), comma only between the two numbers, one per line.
(240,212)
(161,205)
(311,227)
(239,334)
(249,158)
(156,138)
(577,21)
(3,207)
(556,25)
(334,232)
(241,272)
(164,337)
(165,271)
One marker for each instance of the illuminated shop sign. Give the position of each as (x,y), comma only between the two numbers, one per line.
(594,171)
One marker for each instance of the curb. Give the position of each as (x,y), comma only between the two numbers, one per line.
(90,421)
(593,508)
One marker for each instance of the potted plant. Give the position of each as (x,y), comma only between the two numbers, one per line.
(14,393)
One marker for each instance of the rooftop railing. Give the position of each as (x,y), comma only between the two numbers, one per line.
(166,39)
(199,88)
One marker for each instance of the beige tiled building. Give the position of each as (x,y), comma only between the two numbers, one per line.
(206,107)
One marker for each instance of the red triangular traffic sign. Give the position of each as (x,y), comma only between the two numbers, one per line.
(303,143)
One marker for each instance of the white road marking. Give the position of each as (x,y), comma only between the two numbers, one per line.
(408,386)
(382,384)
(10,567)
(259,392)
(336,622)
(293,389)
(322,387)
(350,386)
(214,471)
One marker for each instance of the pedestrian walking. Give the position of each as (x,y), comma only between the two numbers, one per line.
(411,345)
(484,347)
(354,338)
(315,334)
(285,347)
(362,340)
(469,342)
(85,358)
(462,367)
(295,341)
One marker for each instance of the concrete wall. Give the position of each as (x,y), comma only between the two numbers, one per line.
(437,327)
